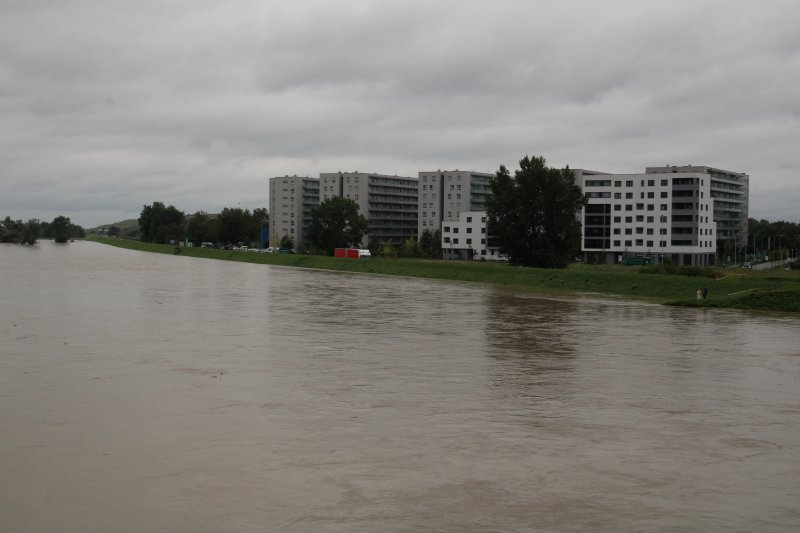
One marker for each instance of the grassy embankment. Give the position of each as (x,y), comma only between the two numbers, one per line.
(735,288)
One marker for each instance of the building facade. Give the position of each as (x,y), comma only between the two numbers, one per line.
(648,215)
(467,238)
(291,199)
(444,195)
(731,193)
(388,202)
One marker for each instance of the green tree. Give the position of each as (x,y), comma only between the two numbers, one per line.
(30,231)
(59,228)
(533,217)
(431,244)
(200,228)
(234,225)
(410,248)
(113,231)
(158,223)
(11,230)
(336,223)
(287,243)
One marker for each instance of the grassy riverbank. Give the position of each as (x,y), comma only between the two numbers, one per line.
(772,290)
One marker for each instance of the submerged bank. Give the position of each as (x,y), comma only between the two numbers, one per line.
(773,291)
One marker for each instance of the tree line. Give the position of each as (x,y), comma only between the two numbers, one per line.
(61,229)
(160,223)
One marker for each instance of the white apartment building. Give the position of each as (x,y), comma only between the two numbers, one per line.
(466,238)
(444,195)
(648,215)
(731,193)
(291,199)
(389,202)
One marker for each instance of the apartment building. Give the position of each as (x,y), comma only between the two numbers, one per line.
(444,195)
(648,215)
(731,193)
(291,199)
(467,238)
(389,202)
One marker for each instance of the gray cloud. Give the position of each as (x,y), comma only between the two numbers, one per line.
(106,106)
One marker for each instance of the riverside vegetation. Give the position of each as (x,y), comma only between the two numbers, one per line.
(732,288)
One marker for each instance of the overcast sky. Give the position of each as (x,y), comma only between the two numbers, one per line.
(109,105)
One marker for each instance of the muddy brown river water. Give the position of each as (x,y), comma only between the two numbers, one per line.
(144,392)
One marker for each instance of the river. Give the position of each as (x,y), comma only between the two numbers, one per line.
(145,392)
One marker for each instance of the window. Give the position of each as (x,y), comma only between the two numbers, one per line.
(617,219)
(651,183)
(651,207)
(649,231)
(664,194)
(469,241)
(628,207)
(664,183)
(650,220)
(628,231)
(628,243)
(469,230)
(639,206)
(617,184)
(455,229)
(639,242)
(455,241)
(639,218)
(616,231)
(662,231)
(651,195)
(649,244)
(628,220)
(447,229)
(663,218)
(629,183)
(483,230)
(446,239)
(469,219)
(664,207)
(629,195)
(639,231)
(617,195)
(617,207)
(616,243)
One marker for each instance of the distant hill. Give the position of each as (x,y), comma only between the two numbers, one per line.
(127,228)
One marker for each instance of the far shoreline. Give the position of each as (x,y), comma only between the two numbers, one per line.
(763,291)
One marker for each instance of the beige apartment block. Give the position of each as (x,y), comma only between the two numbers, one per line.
(445,194)
(388,202)
(291,199)
(467,238)
(648,215)
(731,193)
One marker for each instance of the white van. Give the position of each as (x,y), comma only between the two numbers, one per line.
(364,253)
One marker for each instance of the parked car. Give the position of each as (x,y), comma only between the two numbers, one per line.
(364,253)
(206,245)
